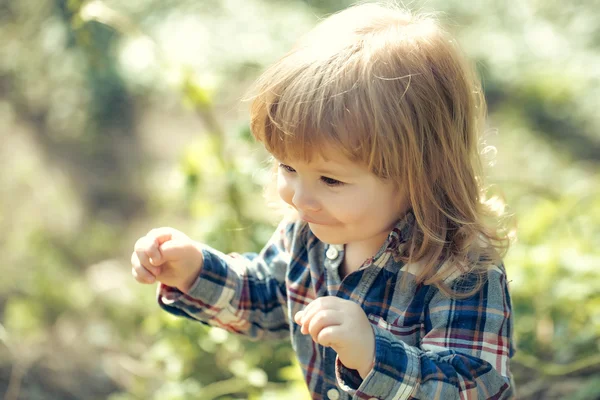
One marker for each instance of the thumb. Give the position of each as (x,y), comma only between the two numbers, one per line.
(173,250)
(161,235)
(158,237)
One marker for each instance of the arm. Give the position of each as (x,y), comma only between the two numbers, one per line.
(464,354)
(242,294)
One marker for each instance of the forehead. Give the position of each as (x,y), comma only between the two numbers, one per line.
(328,160)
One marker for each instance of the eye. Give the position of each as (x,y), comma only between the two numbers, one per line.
(331,181)
(326,180)
(286,168)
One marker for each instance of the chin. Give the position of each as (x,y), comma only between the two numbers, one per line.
(321,232)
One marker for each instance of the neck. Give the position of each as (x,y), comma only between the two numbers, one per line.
(356,253)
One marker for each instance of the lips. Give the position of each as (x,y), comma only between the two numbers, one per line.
(310,220)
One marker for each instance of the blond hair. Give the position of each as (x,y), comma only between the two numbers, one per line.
(392,91)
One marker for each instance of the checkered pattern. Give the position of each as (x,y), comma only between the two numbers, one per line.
(427,346)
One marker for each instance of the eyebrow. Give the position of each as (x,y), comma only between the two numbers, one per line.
(325,171)
(330,172)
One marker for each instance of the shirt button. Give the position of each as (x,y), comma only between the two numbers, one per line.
(333,394)
(332,253)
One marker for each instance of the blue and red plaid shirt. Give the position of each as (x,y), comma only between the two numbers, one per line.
(427,345)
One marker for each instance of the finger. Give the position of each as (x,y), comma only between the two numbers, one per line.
(308,313)
(142,248)
(329,335)
(319,304)
(164,234)
(135,261)
(323,320)
(153,253)
(140,273)
(173,250)
(157,237)
(298,317)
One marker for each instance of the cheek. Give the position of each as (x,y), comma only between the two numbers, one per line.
(367,210)
(399,202)
(284,189)
(393,207)
(351,208)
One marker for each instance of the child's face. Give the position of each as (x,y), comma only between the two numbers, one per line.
(341,201)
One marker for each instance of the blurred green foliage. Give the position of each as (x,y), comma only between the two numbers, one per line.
(118,117)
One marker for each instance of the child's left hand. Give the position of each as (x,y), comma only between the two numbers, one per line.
(343,326)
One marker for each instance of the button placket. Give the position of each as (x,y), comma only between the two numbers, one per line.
(333,260)
(333,394)
(332,253)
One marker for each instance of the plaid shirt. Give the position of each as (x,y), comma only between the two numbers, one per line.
(427,346)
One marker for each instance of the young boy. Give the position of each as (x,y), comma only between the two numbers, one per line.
(387,279)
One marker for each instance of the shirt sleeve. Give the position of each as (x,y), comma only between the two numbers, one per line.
(464,353)
(244,294)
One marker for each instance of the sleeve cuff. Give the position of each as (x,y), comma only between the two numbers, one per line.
(209,294)
(348,379)
(394,374)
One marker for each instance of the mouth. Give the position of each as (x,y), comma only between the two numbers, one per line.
(310,220)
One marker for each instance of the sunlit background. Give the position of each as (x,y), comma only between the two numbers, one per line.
(120,116)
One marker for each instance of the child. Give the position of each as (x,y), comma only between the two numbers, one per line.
(387,279)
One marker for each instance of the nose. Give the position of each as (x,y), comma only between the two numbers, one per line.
(304,200)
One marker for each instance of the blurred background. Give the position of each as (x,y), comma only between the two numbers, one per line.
(120,116)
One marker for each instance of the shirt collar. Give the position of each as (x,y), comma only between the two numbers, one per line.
(397,240)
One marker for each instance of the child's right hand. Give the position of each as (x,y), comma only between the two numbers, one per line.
(168,256)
